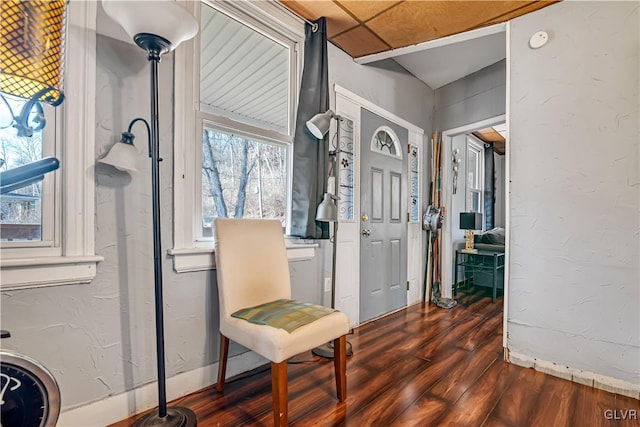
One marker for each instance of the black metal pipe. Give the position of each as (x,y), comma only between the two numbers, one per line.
(154,59)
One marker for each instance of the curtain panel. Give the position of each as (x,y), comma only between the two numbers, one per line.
(489,187)
(310,155)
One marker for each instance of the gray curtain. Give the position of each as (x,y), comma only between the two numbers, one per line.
(310,156)
(489,187)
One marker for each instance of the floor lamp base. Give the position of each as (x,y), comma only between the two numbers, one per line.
(326,350)
(176,416)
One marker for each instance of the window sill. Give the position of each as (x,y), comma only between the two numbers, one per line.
(203,258)
(24,273)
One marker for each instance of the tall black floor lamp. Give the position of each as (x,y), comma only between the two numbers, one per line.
(158,28)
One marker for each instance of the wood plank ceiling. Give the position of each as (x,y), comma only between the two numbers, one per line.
(366,27)
(495,136)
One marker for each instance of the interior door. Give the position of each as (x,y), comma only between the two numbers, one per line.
(383,222)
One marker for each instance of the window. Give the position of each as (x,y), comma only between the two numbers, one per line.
(245,104)
(236,88)
(385,141)
(242,177)
(245,100)
(26,214)
(475,176)
(52,222)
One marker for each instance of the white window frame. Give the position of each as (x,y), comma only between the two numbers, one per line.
(191,252)
(70,258)
(476,146)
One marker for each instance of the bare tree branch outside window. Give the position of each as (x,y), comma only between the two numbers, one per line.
(242,176)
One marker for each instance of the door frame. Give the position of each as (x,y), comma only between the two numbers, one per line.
(447,196)
(348,104)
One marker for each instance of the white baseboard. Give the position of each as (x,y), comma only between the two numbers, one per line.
(592,379)
(121,406)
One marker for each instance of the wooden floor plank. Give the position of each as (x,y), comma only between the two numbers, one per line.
(478,335)
(449,337)
(554,406)
(592,406)
(475,405)
(517,402)
(458,380)
(422,412)
(497,422)
(389,404)
(421,366)
(364,391)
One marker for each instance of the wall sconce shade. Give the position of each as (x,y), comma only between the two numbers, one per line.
(470,221)
(32,38)
(319,124)
(123,154)
(327,210)
(166,19)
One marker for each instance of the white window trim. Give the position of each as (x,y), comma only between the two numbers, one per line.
(73,260)
(189,253)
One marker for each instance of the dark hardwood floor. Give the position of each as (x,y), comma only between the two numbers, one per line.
(422,366)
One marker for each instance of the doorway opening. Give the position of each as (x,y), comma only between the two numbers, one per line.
(480,152)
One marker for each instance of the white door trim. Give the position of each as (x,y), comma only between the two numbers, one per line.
(348,104)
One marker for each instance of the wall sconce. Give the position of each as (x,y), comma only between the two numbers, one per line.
(122,155)
(456,167)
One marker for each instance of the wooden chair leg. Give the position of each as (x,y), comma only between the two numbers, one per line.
(222,362)
(340,366)
(279,393)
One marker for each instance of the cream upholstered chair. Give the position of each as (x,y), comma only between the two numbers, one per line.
(253,269)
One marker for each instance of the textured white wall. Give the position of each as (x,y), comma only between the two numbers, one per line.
(574,287)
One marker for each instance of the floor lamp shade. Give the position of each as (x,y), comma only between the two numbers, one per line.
(319,124)
(166,19)
(32,37)
(327,210)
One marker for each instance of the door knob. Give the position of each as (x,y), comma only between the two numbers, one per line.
(366,232)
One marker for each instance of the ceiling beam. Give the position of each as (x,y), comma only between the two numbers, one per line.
(432,44)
